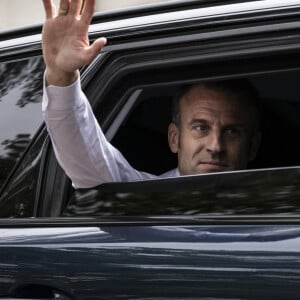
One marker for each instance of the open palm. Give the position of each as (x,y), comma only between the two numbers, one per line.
(66,45)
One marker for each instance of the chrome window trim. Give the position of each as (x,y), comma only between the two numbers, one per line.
(190,14)
(162,18)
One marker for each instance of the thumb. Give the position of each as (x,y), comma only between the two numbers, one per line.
(95,48)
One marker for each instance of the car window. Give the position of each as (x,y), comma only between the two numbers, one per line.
(144,144)
(20,109)
(20,196)
(267,191)
(142,136)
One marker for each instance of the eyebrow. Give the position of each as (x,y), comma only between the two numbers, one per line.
(193,121)
(198,121)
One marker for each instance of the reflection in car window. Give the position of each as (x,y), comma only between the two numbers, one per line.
(20,109)
(267,191)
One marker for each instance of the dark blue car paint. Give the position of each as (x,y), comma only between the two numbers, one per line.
(154,262)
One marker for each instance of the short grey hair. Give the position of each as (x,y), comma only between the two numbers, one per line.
(241,89)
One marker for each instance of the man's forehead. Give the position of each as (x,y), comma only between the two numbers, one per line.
(224,118)
(213,101)
(201,102)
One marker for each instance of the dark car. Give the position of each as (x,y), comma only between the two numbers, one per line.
(229,235)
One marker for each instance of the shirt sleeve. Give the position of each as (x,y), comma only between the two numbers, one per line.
(78,141)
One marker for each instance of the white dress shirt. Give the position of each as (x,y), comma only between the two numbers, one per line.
(79,143)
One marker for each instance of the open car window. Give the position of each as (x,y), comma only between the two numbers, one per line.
(142,134)
(269,185)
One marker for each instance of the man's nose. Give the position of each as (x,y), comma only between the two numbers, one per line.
(215,143)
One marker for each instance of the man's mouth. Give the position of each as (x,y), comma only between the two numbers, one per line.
(213,166)
(214,163)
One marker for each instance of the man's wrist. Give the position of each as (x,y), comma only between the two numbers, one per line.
(58,78)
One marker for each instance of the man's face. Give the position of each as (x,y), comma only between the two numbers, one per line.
(216,133)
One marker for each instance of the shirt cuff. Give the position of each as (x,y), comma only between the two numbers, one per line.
(62,98)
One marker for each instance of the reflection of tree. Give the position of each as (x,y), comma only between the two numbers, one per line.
(265,192)
(14,149)
(26,74)
(20,83)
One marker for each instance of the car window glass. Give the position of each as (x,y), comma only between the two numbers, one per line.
(21,194)
(268,191)
(20,109)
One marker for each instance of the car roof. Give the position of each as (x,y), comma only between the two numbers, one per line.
(158,14)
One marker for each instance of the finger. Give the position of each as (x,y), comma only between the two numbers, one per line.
(88,11)
(49,9)
(63,7)
(95,49)
(75,7)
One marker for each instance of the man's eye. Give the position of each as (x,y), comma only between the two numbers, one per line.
(233,132)
(200,127)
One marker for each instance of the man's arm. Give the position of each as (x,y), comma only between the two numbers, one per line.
(78,141)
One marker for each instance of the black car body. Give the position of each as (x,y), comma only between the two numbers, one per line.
(231,235)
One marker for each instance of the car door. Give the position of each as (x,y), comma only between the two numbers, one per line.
(188,239)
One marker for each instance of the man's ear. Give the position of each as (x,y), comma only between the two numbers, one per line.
(254,145)
(173,137)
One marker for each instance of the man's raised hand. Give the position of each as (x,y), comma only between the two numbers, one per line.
(66,46)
